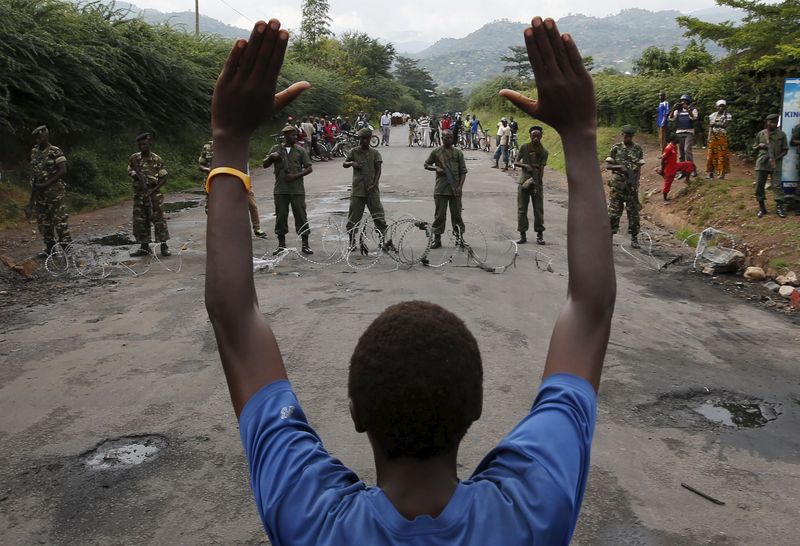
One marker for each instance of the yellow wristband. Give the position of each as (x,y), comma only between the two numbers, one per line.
(244,177)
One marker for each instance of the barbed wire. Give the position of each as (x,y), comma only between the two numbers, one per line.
(82,259)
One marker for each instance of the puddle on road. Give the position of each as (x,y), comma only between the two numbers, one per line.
(178,206)
(737,414)
(116,239)
(703,409)
(124,452)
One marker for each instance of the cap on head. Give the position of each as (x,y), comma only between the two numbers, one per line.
(628,130)
(536,128)
(773,117)
(721,102)
(687,97)
(364,133)
(39,129)
(143,136)
(289,129)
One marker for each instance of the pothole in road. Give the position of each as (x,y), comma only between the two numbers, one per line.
(178,206)
(115,239)
(124,452)
(705,408)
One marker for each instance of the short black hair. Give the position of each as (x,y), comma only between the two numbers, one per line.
(416,380)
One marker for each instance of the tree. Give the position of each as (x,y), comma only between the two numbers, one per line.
(588,62)
(654,60)
(368,53)
(518,62)
(767,38)
(316,23)
(453,100)
(418,79)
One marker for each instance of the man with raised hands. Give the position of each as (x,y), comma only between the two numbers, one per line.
(415,378)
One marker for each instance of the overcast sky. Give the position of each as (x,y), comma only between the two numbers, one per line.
(410,20)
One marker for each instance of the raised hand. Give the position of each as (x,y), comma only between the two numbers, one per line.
(244,95)
(566,98)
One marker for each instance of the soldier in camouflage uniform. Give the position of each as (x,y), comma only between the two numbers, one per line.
(292,163)
(204,163)
(147,171)
(48,166)
(451,171)
(625,161)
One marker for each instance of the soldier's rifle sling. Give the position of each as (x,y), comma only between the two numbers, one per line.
(148,199)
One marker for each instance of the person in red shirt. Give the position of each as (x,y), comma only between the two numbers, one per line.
(670,166)
(446,123)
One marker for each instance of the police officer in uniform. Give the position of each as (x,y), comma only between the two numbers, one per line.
(451,171)
(292,163)
(625,161)
(532,159)
(48,166)
(148,174)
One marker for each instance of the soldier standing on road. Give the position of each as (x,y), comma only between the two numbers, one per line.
(532,159)
(204,163)
(771,145)
(412,131)
(48,166)
(451,171)
(366,164)
(625,161)
(292,163)
(149,175)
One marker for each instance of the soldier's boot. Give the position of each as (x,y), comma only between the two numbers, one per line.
(635,241)
(281,245)
(143,250)
(165,250)
(351,245)
(781,212)
(47,251)
(762,209)
(258,232)
(522,238)
(305,249)
(437,241)
(539,238)
(389,245)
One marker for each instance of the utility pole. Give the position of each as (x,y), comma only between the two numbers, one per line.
(197,18)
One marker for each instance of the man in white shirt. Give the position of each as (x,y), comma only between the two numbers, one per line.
(504,136)
(386,126)
(425,128)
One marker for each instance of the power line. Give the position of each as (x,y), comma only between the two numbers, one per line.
(237,11)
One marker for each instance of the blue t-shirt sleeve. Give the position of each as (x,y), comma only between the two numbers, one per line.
(542,465)
(296,482)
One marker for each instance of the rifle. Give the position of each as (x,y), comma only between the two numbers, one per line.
(147,199)
(450,180)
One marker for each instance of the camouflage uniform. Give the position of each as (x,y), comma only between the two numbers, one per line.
(205,160)
(624,192)
(148,211)
(51,214)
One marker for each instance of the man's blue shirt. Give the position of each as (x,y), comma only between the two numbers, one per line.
(663,113)
(527,490)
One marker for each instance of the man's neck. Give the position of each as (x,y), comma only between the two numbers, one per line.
(418,487)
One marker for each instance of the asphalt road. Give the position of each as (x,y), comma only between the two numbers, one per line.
(131,356)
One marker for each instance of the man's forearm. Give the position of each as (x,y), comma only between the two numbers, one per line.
(230,292)
(590,261)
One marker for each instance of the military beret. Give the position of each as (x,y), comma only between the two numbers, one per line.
(629,129)
(364,133)
(536,128)
(772,116)
(289,129)
(143,136)
(39,129)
